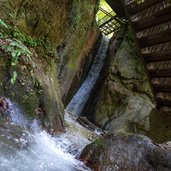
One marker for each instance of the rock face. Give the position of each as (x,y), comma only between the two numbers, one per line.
(126,153)
(160,126)
(34,88)
(76,51)
(63,25)
(125,100)
(47,19)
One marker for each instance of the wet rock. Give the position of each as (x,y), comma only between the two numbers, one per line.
(125,100)
(79,136)
(160,126)
(12,137)
(126,152)
(3,105)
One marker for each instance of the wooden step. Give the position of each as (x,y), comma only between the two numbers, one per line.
(140,25)
(133,7)
(158,88)
(162,37)
(153,16)
(159,65)
(156,57)
(157,29)
(156,53)
(155,35)
(159,73)
(162,103)
(161,82)
(163,99)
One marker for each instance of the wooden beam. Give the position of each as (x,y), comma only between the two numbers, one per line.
(161,89)
(161,37)
(157,56)
(161,103)
(153,20)
(135,8)
(106,12)
(160,73)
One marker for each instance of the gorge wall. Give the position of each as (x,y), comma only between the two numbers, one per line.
(40,28)
(63,39)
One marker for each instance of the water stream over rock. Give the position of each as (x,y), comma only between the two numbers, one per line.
(22,149)
(25,146)
(79,100)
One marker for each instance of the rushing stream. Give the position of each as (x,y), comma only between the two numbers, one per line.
(24,146)
(79,100)
(23,150)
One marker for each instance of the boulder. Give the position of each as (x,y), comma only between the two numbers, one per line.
(125,99)
(127,152)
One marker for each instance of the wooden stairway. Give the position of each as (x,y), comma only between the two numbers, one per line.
(151,21)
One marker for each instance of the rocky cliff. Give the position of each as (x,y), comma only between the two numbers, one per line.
(43,47)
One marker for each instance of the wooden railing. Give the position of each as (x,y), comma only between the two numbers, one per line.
(110,23)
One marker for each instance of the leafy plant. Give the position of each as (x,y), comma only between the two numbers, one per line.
(24,38)
(3,24)
(14,77)
(1,35)
(16,48)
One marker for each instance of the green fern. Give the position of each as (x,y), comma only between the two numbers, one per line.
(3,24)
(14,77)
(16,48)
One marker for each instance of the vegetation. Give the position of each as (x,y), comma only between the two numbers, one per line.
(100,17)
(18,45)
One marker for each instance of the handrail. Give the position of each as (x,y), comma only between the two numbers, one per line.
(109,23)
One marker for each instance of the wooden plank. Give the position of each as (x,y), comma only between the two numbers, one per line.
(106,12)
(157,56)
(158,88)
(135,8)
(158,18)
(161,37)
(163,99)
(161,103)
(160,73)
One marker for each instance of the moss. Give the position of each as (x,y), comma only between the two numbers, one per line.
(100,143)
(42,19)
(80,26)
(122,132)
(37,23)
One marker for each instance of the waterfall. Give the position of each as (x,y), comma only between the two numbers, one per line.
(22,149)
(14,113)
(24,146)
(79,100)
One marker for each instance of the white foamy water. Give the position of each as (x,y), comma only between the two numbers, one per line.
(22,150)
(79,100)
(43,153)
